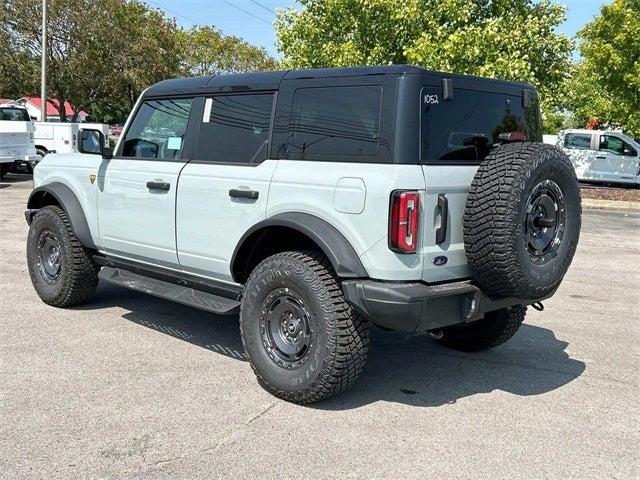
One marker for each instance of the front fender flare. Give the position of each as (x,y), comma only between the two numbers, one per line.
(68,201)
(334,245)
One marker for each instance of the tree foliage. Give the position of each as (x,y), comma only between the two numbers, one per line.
(101,55)
(207,51)
(606,84)
(509,39)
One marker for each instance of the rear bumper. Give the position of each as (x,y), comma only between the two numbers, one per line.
(420,307)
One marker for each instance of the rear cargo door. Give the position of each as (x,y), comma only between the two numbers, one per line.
(457,133)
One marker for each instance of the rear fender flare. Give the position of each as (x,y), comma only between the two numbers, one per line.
(334,245)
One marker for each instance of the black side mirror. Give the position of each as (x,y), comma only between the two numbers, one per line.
(107,153)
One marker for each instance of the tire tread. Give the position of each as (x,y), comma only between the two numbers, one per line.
(348,334)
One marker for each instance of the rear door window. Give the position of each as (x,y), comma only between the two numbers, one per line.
(235,128)
(464,128)
(335,121)
(158,129)
(578,141)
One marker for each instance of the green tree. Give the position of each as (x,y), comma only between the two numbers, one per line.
(606,84)
(101,55)
(509,39)
(207,51)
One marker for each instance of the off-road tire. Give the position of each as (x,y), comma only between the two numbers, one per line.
(4,169)
(78,276)
(494,329)
(339,336)
(496,214)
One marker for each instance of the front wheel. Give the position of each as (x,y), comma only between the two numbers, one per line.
(304,342)
(62,271)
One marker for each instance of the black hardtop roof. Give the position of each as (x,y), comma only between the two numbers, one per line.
(256,81)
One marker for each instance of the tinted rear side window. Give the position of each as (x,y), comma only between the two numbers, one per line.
(335,121)
(235,128)
(464,128)
(580,141)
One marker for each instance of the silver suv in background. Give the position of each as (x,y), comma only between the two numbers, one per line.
(602,155)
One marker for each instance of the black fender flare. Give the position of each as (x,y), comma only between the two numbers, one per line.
(334,245)
(68,201)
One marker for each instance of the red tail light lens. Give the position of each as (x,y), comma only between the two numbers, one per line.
(513,137)
(404,222)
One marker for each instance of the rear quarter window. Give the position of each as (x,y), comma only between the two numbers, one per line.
(333,121)
(464,128)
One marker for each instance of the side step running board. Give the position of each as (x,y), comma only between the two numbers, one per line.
(170,291)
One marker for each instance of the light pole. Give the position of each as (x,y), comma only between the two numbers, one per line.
(43,74)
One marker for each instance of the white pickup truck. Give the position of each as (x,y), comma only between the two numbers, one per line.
(602,155)
(16,138)
(60,137)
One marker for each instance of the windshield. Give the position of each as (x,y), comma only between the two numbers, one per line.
(14,114)
(465,127)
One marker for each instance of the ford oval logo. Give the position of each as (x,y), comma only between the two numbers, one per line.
(440,260)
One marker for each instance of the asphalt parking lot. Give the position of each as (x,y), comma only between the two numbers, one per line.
(131,386)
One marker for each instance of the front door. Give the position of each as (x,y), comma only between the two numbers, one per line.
(224,191)
(137,188)
(619,160)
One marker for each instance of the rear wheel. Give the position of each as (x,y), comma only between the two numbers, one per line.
(62,271)
(303,340)
(494,329)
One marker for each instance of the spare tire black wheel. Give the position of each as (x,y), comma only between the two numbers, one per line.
(522,220)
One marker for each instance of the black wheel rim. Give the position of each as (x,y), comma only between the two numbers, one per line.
(544,221)
(49,257)
(285,328)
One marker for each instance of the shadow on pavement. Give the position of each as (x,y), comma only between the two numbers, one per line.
(13,178)
(217,333)
(404,368)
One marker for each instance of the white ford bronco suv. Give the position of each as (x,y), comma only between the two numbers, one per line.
(315,203)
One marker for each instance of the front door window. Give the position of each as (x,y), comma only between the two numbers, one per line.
(158,130)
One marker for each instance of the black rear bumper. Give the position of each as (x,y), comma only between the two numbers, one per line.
(420,307)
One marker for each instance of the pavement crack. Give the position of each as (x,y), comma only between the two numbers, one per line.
(227,439)
(257,416)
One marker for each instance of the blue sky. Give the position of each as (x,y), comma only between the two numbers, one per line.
(252,19)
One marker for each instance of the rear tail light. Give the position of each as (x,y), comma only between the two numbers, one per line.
(404,221)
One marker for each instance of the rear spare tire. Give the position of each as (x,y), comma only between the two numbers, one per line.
(522,220)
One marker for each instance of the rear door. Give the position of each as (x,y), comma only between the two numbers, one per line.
(580,148)
(137,188)
(456,135)
(224,190)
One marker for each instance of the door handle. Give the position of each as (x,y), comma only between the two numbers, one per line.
(601,157)
(441,231)
(236,193)
(162,186)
